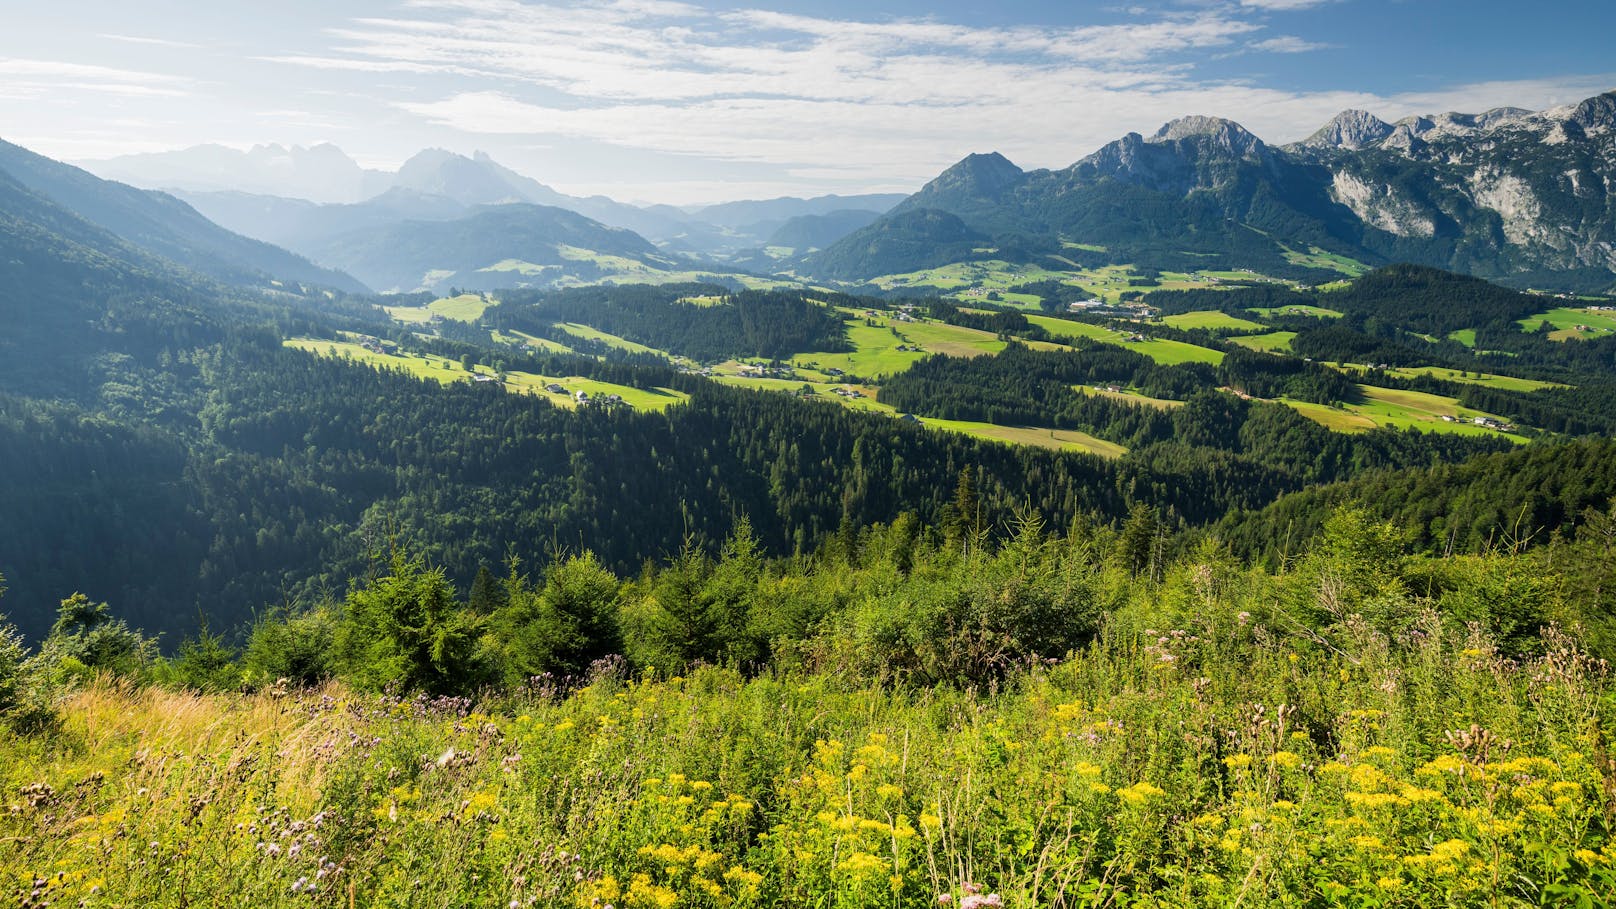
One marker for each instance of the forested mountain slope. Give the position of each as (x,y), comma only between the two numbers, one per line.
(163,225)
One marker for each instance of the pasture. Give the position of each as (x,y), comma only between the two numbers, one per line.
(464,308)
(1212,320)
(1272,342)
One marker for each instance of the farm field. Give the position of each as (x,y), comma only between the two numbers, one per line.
(876,350)
(1507,383)
(521,337)
(594,334)
(1318,311)
(425,366)
(440,369)
(1564,321)
(1127,397)
(464,308)
(1212,320)
(1398,409)
(1318,258)
(1163,351)
(1273,342)
(652,399)
(1041,437)
(972,281)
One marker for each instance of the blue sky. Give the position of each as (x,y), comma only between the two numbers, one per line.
(658,100)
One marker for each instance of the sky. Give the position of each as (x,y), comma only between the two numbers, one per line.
(666,101)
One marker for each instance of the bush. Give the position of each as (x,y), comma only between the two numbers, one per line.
(297,648)
(406,630)
(87,641)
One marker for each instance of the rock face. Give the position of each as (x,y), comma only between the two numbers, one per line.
(1517,191)
(1213,133)
(1504,194)
(1351,130)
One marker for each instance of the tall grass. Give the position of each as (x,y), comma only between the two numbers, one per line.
(1222,762)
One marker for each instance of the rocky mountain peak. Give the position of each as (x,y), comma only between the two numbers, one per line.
(1220,133)
(1351,130)
(1597,114)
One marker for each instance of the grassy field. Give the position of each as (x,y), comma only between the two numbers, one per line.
(972,281)
(1508,383)
(1331,417)
(447,371)
(1318,258)
(1273,342)
(594,334)
(425,366)
(1154,767)
(652,399)
(1398,409)
(876,350)
(1318,311)
(1212,320)
(1161,350)
(1465,336)
(1128,397)
(521,337)
(1041,437)
(464,308)
(1565,320)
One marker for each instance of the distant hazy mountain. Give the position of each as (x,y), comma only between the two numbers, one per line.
(495,246)
(162,224)
(236,188)
(805,232)
(306,227)
(1509,194)
(749,216)
(322,173)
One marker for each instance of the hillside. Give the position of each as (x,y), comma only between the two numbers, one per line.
(494,246)
(163,225)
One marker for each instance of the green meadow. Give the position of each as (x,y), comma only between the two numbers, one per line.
(1272,342)
(1398,409)
(446,371)
(1564,321)
(464,308)
(1212,320)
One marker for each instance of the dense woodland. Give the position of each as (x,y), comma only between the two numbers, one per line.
(719,325)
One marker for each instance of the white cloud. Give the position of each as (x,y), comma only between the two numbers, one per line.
(670,98)
(881,102)
(1288,44)
(157,42)
(1283,5)
(44,78)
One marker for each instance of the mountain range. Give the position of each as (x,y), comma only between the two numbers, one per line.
(1523,197)
(162,225)
(302,189)
(1514,195)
